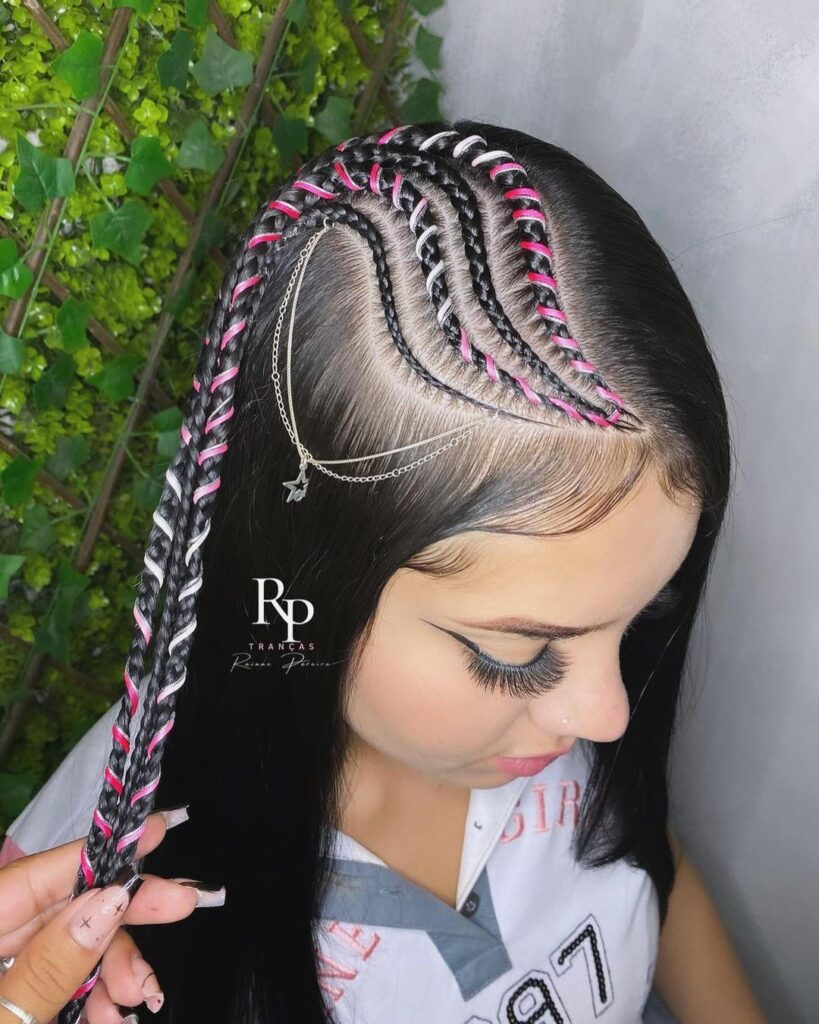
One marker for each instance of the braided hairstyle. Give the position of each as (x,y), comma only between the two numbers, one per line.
(461,203)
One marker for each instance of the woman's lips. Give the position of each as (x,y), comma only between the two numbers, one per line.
(525,765)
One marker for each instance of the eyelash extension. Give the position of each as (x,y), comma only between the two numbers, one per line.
(540,675)
(548,667)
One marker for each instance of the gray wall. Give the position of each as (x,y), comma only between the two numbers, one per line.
(705,116)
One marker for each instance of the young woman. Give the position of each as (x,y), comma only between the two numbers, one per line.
(420,634)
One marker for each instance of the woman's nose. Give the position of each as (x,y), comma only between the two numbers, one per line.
(592,697)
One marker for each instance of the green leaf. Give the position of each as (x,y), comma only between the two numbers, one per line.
(427,6)
(71,453)
(173,65)
(176,303)
(8,252)
(167,424)
(9,564)
(116,378)
(50,390)
(222,67)
(11,353)
(148,165)
(79,65)
(289,137)
(52,635)
(422,102)
(196,13)
(232,189)
(297,12)
(148,489)
(72,319)
(167,443)
(140,6)
(199,149)
(18,479)
(215,230)
(308,68)
(16,791)
(37,533)
(123,230)
(428,48)
(333,120)
(41,176)
(15,276)
(168,419)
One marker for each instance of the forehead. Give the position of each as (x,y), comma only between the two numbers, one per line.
(604,572)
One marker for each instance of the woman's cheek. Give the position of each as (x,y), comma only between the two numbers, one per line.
(424,703)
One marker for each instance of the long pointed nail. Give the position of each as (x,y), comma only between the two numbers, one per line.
(95,921)
(208,894)
(174,815)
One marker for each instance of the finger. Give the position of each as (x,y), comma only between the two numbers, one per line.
(30,885)
(149,983)
(100,1007)
(53,965)
(159,901)
(13,942)
(118,970)
(129,978)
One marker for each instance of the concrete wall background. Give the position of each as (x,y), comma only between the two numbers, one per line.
(704,116)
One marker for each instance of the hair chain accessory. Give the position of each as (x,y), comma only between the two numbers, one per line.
(298,488)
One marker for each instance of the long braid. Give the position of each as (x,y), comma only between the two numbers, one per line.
(125,801)
(143,778)
(173,557)
(167,519)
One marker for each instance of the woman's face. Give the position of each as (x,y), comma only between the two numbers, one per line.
(414,703)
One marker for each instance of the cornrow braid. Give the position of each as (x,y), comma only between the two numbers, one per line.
(181,522)
(374,159)
(531,224)
(406,198)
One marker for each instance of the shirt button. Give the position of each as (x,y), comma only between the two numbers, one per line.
(470,904)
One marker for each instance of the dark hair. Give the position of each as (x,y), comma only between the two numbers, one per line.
(534,245)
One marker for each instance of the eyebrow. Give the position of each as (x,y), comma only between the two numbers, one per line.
(523,626)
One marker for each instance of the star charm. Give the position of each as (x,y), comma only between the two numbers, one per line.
(297,487)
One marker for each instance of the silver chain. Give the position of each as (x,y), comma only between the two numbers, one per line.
(298,486)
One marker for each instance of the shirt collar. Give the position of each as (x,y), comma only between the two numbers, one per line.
(487,815)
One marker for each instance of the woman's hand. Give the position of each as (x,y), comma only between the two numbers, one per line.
(56,942)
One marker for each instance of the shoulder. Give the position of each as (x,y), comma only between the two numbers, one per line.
(62,809)
(676,848)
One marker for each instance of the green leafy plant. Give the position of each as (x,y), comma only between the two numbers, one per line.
(94,227)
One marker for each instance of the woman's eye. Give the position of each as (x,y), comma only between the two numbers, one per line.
(537,676)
